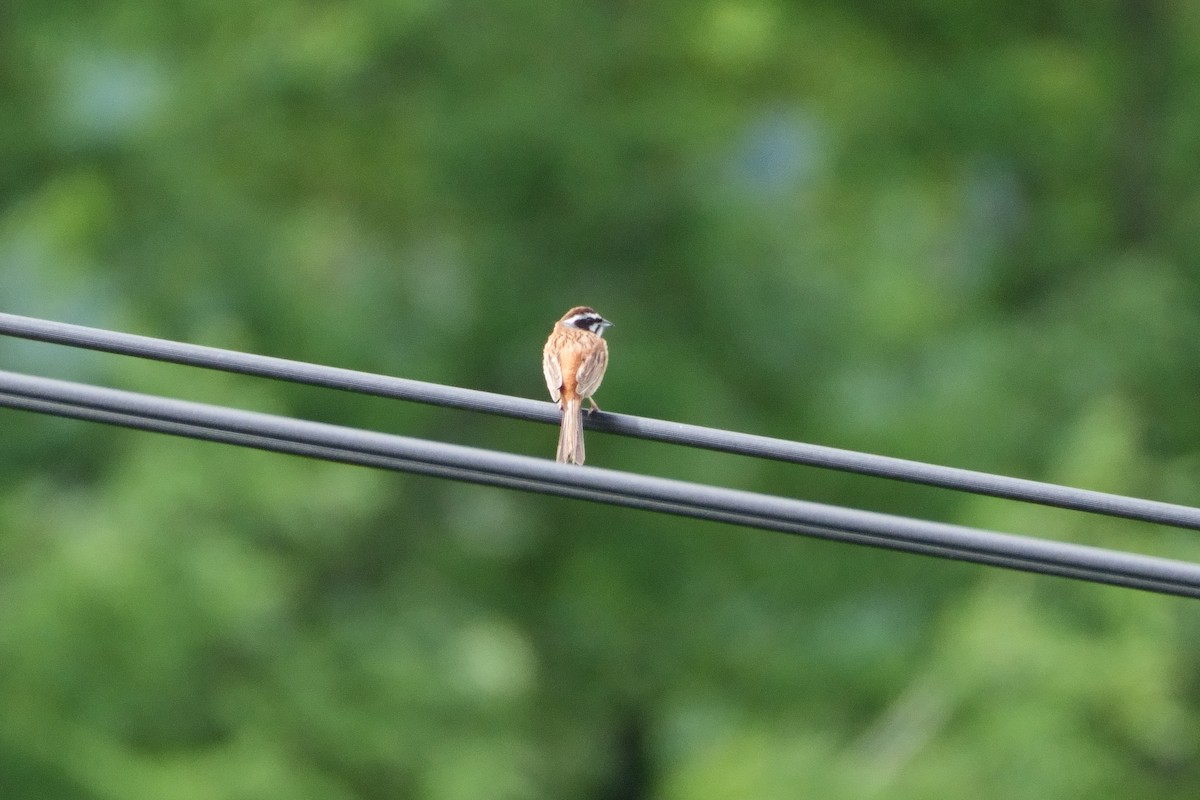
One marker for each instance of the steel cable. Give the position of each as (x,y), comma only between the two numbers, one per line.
(386,451)
(621,424)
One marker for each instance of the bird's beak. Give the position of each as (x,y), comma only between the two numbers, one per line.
(606,323)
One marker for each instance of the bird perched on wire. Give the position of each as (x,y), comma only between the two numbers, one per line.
(573,361)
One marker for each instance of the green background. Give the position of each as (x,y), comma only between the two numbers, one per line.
(959,232)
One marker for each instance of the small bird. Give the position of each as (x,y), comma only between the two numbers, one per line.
(573,361)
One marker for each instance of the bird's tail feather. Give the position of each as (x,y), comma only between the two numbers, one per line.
(570,437)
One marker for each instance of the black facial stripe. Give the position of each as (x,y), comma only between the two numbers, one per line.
(588,323)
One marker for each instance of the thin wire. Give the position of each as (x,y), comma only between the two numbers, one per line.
(369,448)
(622,424)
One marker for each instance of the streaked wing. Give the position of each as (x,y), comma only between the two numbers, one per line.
(591,370)
(552,371)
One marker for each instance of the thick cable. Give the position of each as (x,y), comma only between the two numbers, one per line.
(621,424)
(369,448)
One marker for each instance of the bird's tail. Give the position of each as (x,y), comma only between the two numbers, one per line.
(570,437)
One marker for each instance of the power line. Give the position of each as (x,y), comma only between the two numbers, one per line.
(369,448)
(621,424)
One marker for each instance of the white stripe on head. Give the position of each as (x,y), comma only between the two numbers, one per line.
(588,320)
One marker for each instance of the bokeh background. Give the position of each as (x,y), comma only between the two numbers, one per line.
(960,232)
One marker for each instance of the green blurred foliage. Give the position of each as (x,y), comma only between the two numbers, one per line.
(958,232)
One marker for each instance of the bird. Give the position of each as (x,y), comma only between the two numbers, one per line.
(573,361)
